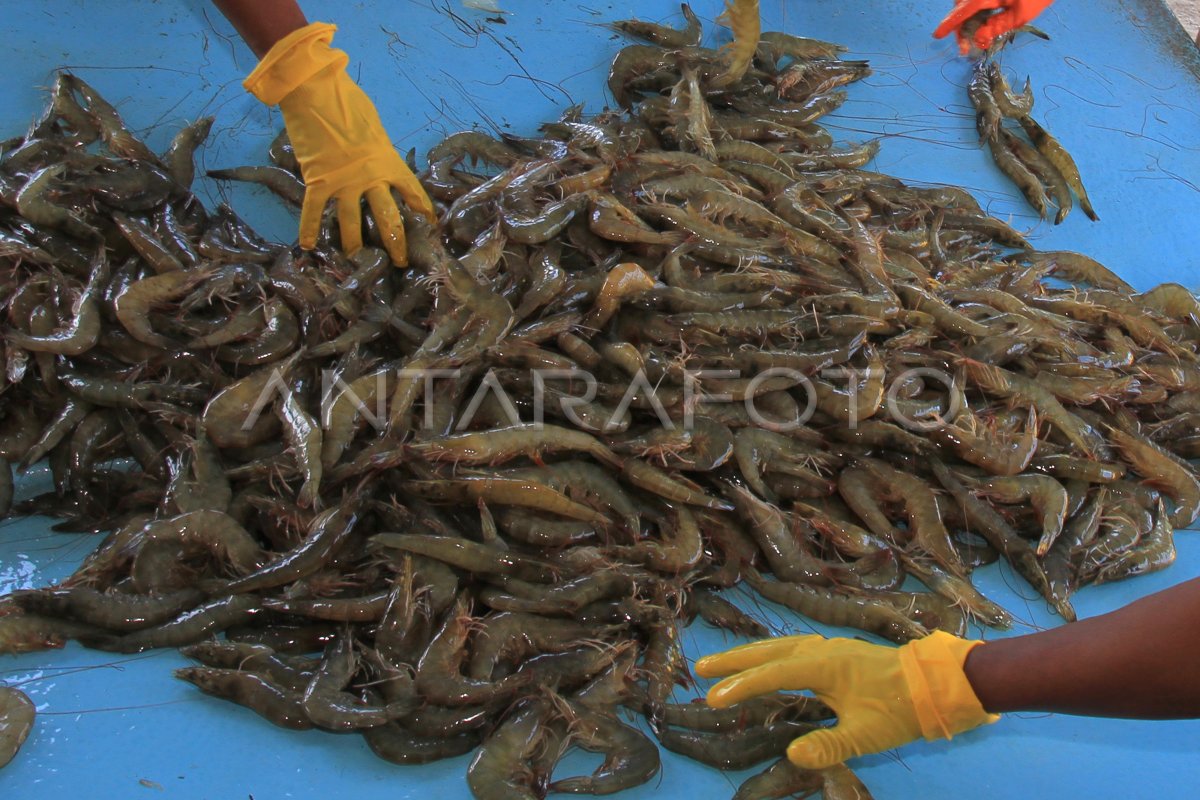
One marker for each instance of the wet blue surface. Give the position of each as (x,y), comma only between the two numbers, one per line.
(1117,84)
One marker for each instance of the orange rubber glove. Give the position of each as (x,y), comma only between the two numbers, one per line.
(884,696)
(1012,15)
(343,150)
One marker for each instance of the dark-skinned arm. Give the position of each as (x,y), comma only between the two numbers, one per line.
(262,23)
(1141,661)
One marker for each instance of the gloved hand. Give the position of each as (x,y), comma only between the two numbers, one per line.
(884,696)
(343,150)
(1013,14)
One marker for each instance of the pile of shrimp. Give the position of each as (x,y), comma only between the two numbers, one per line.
(642,360)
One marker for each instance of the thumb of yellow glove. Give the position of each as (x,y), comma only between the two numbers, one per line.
(343,149)
(884,696)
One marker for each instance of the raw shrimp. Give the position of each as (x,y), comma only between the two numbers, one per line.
(180,156)
(1017,171)
(499,770)
(998,458)
(439,671)
(781,779)
(720,613)
(630,757)
(508,490)
(927,532)
(33,205)
(188,628)
(840,783)
(84,331)
(784,552)
(369,608)
(589,485)
(17,714)
(996,530)
(987,111)
(1162,472)
(396,744)
(280,181)
(1057,155)
(547,224)
(862,399)
(1046,172)
(467,555)
(680,549)
(679,489)
(610,219)
(833,608)
(542,531)
(663,663)
(134,304)
(113,131)
(1154,551)
(1004,383)
(1070,468)
(211,532)
(271,702)
(514,636)
(957,590)
(304,437)
(29,633)
(1011,105)
(786,45)
(327,533)
(329,707)
(755,712)
(496,446)
(1080,269)
(557,598)
(1044,493)
(665,36)
(737,750)
(291,673)
(112,611)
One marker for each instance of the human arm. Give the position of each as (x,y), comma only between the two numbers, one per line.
(262,23)
(344,152)
(1012,14)
(1141,661)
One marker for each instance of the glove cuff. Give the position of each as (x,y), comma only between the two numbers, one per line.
(293,60)
(942,697)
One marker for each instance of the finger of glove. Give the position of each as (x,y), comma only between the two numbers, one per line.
(823,749)
(751,655)
(310,218)
(414,194)
(997,25)
(963,12)
(785,674)
(349,210)
(390,223)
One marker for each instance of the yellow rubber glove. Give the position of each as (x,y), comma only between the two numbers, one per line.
(343,150)
(884,696)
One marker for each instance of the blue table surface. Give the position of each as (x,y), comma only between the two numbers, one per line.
(1117,84)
